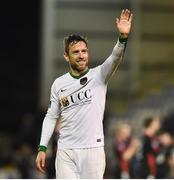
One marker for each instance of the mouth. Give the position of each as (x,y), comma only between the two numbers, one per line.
(81,62)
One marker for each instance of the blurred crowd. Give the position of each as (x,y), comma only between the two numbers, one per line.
(18,149)
(149,154)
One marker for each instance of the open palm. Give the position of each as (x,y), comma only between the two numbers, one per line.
(124,23)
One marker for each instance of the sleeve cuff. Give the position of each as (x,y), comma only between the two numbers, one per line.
(123,40)
(42,148)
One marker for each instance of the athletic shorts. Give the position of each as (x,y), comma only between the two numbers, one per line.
(86,163)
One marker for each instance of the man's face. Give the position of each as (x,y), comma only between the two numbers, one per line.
(78,56)
(126,132)
(156,124)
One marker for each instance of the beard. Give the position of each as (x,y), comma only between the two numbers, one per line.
(80,66)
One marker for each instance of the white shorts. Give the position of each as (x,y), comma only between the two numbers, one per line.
(87,163)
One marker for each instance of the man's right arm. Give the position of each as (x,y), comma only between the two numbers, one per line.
(50,118)
(48,126)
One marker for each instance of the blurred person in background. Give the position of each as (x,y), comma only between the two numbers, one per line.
(125,148)
(165,157)
(24,144)
(171,161)
(78,97)
(150,147)
(9,168)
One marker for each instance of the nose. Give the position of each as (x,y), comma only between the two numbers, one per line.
(80,54)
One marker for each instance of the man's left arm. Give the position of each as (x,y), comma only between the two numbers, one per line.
(124,26)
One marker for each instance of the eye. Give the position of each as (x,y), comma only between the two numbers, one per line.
(84,50)
(75,52)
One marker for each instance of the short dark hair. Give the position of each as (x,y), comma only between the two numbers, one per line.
(148,121)
(72,39)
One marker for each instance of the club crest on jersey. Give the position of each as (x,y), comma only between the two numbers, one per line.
(64,101)
(83,80)
(77,98)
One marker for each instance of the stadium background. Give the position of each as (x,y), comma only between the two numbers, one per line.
(31,58)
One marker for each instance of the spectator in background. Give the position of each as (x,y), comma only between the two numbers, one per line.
(125,148)
(150,147)
(171,161)
(165,157)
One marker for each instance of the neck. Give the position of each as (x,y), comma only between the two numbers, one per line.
(78,73)
(149,132)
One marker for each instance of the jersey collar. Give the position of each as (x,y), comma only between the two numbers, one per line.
(77,77)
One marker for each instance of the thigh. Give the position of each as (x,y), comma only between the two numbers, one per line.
(65,165)
(93,166)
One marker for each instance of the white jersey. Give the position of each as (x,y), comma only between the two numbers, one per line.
(80,103)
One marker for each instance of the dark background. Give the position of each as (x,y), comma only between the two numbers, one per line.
(20,46)
(21,117)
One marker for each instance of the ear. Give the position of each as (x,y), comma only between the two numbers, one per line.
(66,57)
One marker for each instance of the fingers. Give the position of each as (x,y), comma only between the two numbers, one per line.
(40,163)
(126,15)
(117,20)
(40,166)
(130,17)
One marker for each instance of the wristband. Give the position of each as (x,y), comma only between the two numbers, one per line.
(123,40)
(42,148)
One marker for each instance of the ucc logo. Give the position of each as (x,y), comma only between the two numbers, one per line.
(76,98)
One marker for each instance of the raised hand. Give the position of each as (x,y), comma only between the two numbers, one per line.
(124,23)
